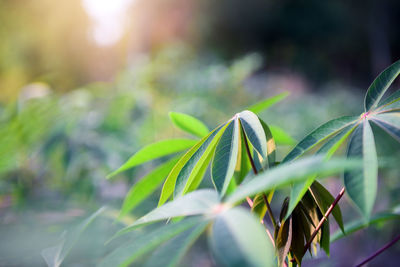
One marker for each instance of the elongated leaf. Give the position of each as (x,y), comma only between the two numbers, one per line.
(328,149)
(285,174)
(362,186)
(360,224)
(171,252)
(195,203)
(153,151)
(395,97)
(283,240)
(281,136)
(390,128)
(190,170)
(238,239)
(169,184)
(320,134)
(189,124)
(147,185)
(392,107)
(243,165)
(325,237)
(254,131)
(324,200)
(146,242)
(266,103)
(380,85)
(271,146)
(54,256)
(225,157)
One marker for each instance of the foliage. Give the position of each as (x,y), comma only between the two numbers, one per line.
(246,142)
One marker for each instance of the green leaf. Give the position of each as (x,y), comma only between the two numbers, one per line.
(389,124)
(169,184)
(195,203)
(362,186)
(284,174)
(380,85)
(189,124)
(395,97)
(154,151)
(324,200)
(395,106)
(271,146)
(283,240)
(171,252)
(238,239)
(145,242)
(328,149)
(191,169)
(281,136)
(320,134)
(325,237)
(147,185)
(356,225)
(266,103)
(254,131)
(225,157)
(54,256)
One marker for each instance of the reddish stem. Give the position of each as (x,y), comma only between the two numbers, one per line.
(388,245)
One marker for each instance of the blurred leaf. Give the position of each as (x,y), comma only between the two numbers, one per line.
(169,184)
(362,186)
(320,134)
(356,225)
(283,240)
(390,123)
(271,146)
(54,256)
(146,242)
(189,124)
(324,200)
(238,239)
(285,174)
(254,131)
(281,137)
(226,154)
(147,185)
(380,85)
(202,201)
(171,252)
(268,102)
(153,151)
(201,157)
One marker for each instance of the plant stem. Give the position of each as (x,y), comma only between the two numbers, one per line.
(388,245)
(327,213)
(253,166)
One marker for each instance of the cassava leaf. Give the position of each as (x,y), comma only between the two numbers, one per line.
(54,256)
(390,128)
(281,136)
(147,185)
(320,134)
(395,97)
(189,124)
(154,151)
(380,85)
(283,240)
(238,239)
(171,252)
(190,170)
(285,174)
(145,242)
(271,146)
(169,184)
(362,186)
(254,131)
(195,203)
(266,103)
(226,154)
(325,237)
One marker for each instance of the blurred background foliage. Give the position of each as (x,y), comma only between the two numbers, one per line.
(86,83)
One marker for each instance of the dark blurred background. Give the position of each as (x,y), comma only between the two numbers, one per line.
(86,83)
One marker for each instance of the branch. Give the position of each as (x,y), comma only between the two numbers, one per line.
(388,245)
(327,213)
